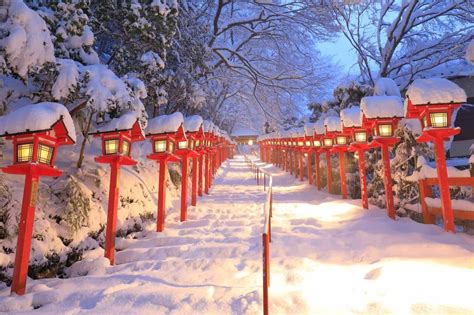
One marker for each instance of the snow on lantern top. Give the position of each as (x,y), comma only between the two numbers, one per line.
(332,124)
(165,123)
(381,107)
(386,87)
(39,117)
(126,122)
(350,117)
(319,128)
(193,123)
(435,91)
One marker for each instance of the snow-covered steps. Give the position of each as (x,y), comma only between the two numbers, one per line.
(328,256)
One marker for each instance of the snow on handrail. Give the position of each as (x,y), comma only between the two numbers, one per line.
(267,207)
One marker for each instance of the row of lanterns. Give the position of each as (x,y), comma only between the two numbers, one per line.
(174,139)
(372,125)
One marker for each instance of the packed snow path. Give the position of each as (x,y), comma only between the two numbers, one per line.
(328,257)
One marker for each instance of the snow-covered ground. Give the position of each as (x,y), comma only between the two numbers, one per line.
(328,257)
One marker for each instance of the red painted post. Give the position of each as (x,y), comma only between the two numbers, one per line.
(387,180)
(25,232)
(318,171)
(194,181)
(309,164)
(206,174)
(301,166)
(329,171)
(266,280)
(363,180)
(112,213)
(184,188)
(444,186)
(342,174)
(160,219)
(291,162)
(200,182)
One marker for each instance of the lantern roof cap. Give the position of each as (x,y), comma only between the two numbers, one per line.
(350,117)
(37,117)
(165,123)
(193,123)
(332,123)
(381,107)
(319,126)
(128,121)
(435,91)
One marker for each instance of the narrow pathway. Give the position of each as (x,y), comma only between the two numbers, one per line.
(329,256)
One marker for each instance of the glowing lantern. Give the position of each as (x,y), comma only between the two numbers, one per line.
(433,102)
(193,127)
(36,132)
(116,150)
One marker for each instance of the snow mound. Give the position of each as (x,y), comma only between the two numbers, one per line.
(165,123)
(426,171)
(435,91)
(92,267)
(333,123)
(124,122)
(36,117)
(381,107)
(386,87)
(350,117)
(153,60)
(192,123)
(28,44)
(67,80)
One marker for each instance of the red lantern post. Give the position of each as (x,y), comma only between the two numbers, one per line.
(117,137)
(193,126)
(381,114)
(340,140)
(433,101)
(318,148)
(162,132)
(36,132)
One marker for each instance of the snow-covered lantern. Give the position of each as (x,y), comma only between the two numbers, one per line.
(117,137)
(162,132)
(433,102)
(382,114)
(36,132)
(340,140)
(193,126)
(352,124)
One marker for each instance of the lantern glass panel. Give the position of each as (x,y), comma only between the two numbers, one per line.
(300,143)
(439,120)
(45,154)
(182,145)
(341,140)
(328,142)
(111,146)
(160,146)
(24,152)
(308,143)
(198,143)
(360,136)
(385,130)
(250,142)
(317,143)
(125,147)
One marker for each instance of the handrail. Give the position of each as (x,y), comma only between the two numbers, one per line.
(267,227)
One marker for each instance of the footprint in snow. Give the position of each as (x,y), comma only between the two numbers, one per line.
(374,274)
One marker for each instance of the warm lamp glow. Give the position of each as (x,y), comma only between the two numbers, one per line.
(198,143)
(341,140)
(360,136)
(327,142)
(317,143)
(250,142)
(439,120)
(24,152)
(385,130)
(182,145)
(111,146)
(308,143)
(125,148)
(300,143)
(45,154)
(160,146)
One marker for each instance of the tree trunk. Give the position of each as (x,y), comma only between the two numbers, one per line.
(83,145)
